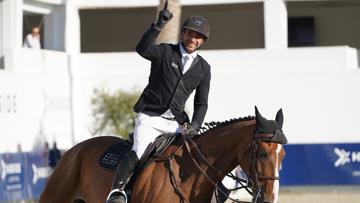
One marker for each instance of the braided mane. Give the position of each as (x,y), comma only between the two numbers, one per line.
(217,124)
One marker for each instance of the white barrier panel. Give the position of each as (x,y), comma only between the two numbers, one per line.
(34,108)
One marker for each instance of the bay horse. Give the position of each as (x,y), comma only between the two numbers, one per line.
(187,171)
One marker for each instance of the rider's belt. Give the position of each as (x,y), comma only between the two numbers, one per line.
(168,118)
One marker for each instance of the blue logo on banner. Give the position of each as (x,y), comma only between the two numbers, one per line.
(38,173)
(321,164)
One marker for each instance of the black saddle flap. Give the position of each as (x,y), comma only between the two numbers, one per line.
(114,154)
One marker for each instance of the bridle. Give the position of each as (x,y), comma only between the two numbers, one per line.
(253,187)
(253,184)
(255,177)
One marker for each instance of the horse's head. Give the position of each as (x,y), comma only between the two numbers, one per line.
(253,143)
(268,164)
(268,154)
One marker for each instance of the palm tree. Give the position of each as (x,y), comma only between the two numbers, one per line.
(170,33)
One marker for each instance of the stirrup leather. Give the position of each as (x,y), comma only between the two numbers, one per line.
(122,192)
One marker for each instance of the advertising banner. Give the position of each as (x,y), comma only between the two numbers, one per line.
(37,173)
(321,164)
(23,176)
(12,177)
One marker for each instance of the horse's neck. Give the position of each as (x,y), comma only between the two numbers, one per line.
(221,146)
(225,146)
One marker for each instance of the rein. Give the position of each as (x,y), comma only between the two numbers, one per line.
(187,142)
(255,177)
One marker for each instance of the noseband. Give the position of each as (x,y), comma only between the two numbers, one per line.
(253,187)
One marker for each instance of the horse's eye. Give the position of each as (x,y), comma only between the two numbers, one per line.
(262,154)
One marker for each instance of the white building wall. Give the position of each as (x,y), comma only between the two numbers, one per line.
(314,87)
(275,19)
(72,28)
(11,21)
(145,3)
(2,15)
(35,103)
(49,93)
(54,33)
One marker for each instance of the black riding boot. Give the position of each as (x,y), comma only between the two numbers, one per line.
(123,173)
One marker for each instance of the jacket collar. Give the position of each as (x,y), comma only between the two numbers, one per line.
(196,59)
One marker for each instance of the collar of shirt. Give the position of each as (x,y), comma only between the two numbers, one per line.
(184,53)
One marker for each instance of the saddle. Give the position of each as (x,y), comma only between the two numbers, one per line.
(115,153)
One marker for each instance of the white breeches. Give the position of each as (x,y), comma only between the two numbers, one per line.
(148,128)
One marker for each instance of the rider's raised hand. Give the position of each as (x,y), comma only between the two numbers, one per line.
(164,17)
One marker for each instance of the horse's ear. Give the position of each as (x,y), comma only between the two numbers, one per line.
(257,114)
(279,118)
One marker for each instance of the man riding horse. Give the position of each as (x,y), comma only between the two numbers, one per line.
(176,71)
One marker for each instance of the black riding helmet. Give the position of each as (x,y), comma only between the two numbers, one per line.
(198,24)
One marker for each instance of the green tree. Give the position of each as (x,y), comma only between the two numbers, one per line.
(113,112)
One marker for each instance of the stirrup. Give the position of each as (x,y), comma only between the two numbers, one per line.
(122,192)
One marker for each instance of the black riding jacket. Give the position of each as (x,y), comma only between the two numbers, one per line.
(168,87)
